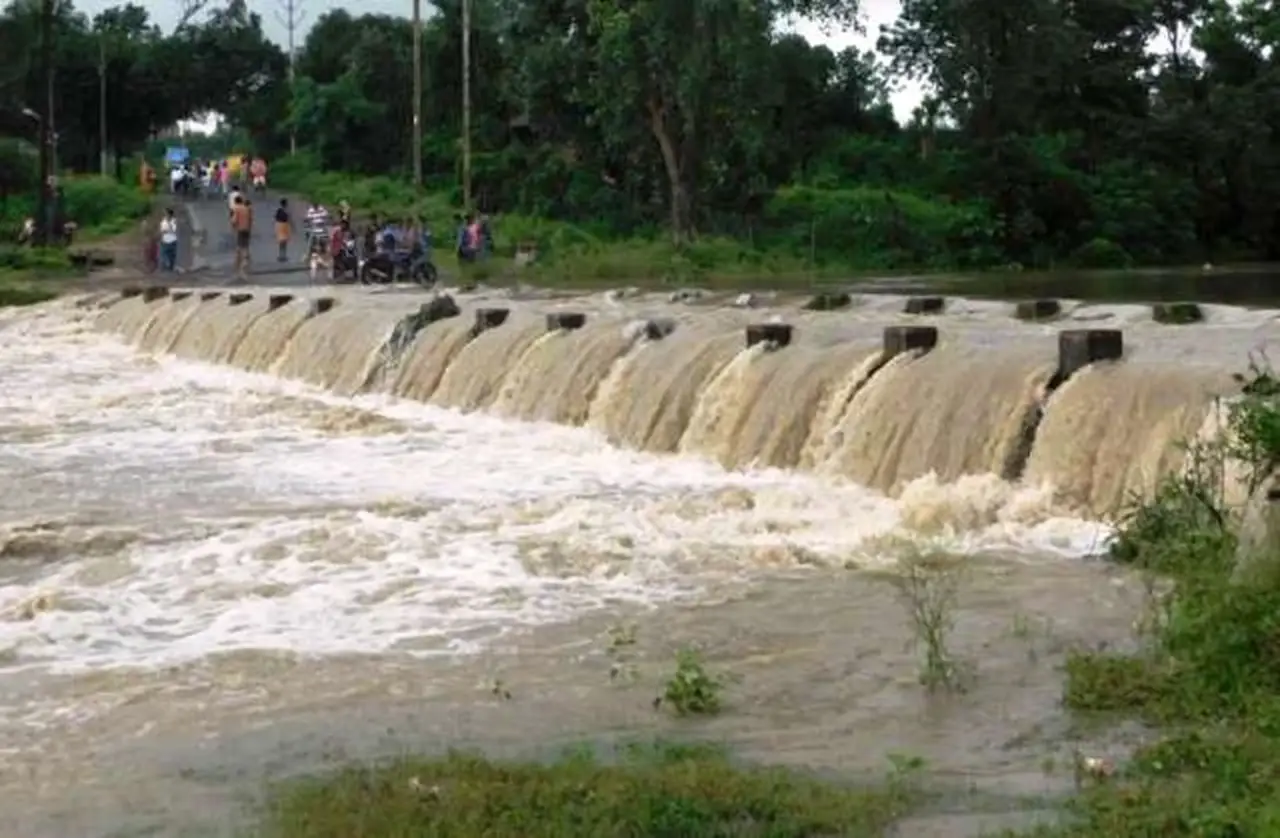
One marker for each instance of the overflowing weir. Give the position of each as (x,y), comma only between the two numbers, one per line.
(1071,409)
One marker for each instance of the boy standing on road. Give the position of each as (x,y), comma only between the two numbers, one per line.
(283,230)
(242,223)
(169,242)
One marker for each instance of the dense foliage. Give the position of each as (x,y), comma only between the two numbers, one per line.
(1100,133)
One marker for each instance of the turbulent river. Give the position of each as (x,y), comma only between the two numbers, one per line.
(238,542)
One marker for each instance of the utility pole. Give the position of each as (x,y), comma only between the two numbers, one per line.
(417,94)
(466,105)
(102,102)
(291,15)
(43,233)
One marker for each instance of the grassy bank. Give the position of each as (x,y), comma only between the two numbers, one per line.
(803,236)
(1205,678)
(648,791)
(31,275)
(1208,673)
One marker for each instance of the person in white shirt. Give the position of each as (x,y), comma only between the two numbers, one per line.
(169,242)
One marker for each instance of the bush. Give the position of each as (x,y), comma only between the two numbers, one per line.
(879,228)
(103,206)
(100,206)
(1101,253)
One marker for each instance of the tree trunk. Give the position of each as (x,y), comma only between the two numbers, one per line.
(676,165)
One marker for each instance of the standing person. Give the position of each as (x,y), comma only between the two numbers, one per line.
(484,236)
(466,253)
(317,227)
(258,169)
(168,242)
(233,199)
(283,230)
(242,223)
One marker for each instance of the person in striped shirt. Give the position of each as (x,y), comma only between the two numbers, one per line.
(317,228)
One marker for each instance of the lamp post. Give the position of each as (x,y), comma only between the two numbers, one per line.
(43,231)
(417,94)
(466,105)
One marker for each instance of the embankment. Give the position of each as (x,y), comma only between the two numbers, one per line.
(1087,416)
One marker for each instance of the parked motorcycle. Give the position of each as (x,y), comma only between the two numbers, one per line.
(347,262)
(398,266)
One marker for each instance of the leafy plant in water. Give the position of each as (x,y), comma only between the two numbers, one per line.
(929,586)
(692,690)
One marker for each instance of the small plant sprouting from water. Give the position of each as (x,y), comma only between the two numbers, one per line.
(692,690)
(498,689)
(929,585)
(621,641)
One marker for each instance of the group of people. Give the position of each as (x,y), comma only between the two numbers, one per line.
(209,177)
(333,244)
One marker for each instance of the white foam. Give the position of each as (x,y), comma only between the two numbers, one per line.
(432,532)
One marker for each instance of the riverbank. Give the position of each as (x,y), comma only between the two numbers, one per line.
(803,244)
(801,252)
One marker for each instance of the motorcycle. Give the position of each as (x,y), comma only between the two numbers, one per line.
(346,261)
(398,266)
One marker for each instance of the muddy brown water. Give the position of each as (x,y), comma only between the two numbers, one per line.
(250,543)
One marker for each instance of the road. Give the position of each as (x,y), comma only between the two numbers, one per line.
(213,256)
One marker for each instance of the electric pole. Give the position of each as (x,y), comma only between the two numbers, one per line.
(291,15)
(417,94)
(43,231)
(466,105)
(102,102)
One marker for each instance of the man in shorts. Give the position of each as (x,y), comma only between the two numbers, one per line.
(242,224)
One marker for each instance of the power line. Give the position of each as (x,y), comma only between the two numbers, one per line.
(291,16)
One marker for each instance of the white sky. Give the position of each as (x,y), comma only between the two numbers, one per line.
(165,12)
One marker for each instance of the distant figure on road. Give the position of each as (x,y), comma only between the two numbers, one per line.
(147,177)
(242,223)
(283,230)
(258,170)
(316,228)
(169,242)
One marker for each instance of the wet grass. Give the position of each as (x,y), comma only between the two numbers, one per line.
(651,790)
(24,288)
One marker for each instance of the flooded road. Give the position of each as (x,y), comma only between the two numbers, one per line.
(210,577)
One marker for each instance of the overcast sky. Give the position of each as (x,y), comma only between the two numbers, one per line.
(165,12)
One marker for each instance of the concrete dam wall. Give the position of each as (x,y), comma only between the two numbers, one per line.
(887,404)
